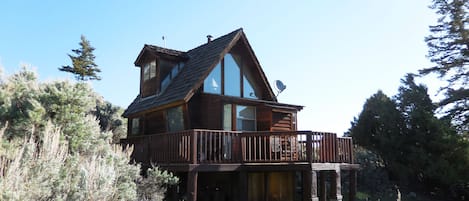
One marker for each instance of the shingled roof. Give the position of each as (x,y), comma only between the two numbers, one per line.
(161,51)
(196,68)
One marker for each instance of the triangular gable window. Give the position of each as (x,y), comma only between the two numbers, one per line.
(228,78)
(232,76)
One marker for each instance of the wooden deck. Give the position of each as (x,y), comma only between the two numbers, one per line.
(233,147)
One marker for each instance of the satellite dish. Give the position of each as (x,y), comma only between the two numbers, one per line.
(279,86)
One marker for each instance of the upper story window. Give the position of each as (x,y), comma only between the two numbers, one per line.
(232,76)
(149,70)
(232,82)
(212,83)
(248,90)
(169,74)
(157,75)
(245,117)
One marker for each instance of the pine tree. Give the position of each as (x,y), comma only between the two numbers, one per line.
(436,155)
(83,65)
(449,50)
(418,149)
(380,128)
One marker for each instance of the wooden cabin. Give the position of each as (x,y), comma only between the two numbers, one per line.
(210,116)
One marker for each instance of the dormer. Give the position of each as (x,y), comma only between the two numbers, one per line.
(158,67)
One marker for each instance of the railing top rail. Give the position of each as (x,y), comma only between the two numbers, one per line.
(248,133)
(344,137)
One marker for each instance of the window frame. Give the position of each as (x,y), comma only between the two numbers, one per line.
(233,117)
(135,126)
(223,81)
(149,70)
(182,120)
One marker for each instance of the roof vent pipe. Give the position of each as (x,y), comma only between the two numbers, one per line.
(209,38)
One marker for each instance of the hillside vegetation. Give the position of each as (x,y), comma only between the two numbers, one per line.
(56,143)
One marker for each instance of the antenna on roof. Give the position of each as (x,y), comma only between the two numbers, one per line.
(164,41)
(279,86)
(209,38)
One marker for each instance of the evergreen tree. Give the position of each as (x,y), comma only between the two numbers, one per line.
(418,149)
(83,65)
(110,119)
(379,128)
(436,156)
(449,50)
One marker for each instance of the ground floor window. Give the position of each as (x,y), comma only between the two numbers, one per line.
(274,186)
(135,128)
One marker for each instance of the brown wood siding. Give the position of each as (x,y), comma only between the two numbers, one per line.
(281,121)
(206,112)
(150,87)
(155,122)
(264,116)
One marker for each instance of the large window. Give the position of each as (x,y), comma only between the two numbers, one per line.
(248,90)
(232,80)
(175,119)
(232,77)
(245,117)
(212,83)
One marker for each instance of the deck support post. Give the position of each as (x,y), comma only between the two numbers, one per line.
(243,185)
(310,186)
(336,187)
(353,185)
(322,186)
(192,185)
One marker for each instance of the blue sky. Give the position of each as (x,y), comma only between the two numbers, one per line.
(332,55)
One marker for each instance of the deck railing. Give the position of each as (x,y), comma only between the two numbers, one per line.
(216,147)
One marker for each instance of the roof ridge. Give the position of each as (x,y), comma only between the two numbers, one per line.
(218,39)
(163,48)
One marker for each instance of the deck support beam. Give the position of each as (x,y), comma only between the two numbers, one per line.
(192,185)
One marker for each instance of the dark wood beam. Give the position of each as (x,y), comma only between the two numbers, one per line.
(310,186)
(352,185)
(192,185)
(243,185)
(336,187)
(322,186)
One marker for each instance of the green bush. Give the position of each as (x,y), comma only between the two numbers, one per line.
(52,147)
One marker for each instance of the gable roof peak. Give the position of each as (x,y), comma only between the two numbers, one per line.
(220,40)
